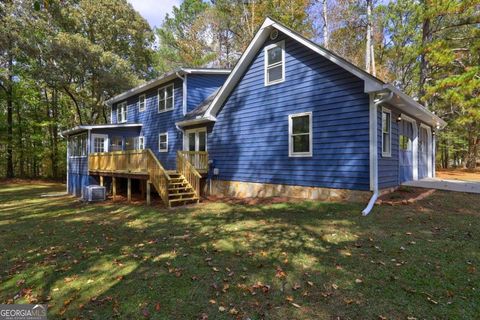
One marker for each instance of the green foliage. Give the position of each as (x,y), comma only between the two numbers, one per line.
(215,34)
(67,57)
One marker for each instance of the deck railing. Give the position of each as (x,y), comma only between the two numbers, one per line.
(133,161)
(198,158)
(188,170)
(158,176)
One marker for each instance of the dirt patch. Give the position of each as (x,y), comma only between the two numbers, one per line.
(459,174)
(30,181)
(251,201)
(404,195)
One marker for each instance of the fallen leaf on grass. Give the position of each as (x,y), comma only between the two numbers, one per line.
(279,273)
(358,281)
(295,305)
(221,309)
(157,307)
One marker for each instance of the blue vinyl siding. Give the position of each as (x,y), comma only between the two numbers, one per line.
(388,167)
(77,175)
(249,141)
(200,86)
(155,123)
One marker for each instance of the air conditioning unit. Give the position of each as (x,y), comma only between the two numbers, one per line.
(93,193)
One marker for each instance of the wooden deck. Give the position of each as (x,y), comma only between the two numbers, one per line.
(144,165)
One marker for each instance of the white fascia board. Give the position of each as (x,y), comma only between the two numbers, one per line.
(143,87)
(405,103)
(195,121)
(81,128)
(240,68)
(372,84)
(206,71)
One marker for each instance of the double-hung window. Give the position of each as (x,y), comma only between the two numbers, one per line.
(98,144)
(386,133)
(163,142)
(122,112)
(141,103)
(275,63)
(165,98)
(300,134)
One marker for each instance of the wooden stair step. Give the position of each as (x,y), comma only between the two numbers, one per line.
(183,200)
(180,188)
(181,194)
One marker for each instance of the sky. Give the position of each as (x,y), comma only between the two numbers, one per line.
(154,10)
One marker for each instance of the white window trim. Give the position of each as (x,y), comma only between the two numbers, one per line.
(389,153)
(159,135)
(173,98)
(106,142)
(430,150)
(290,131)
(415,144)
(280,44)
(119,106)
(140,97)
(197,130)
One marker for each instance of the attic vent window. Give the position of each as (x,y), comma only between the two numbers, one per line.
(274,34)
(275,63)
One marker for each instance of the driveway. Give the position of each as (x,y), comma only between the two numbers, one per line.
(444,184)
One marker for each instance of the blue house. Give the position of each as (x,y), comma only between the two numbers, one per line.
(291,119)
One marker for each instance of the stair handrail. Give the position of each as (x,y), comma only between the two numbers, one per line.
(158,176)
(188,170)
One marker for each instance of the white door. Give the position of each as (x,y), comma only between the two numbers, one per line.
(195,140)
(99,143)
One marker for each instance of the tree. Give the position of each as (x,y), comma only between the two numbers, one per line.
(183,37)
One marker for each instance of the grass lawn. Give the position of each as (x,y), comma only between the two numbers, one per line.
(304,260)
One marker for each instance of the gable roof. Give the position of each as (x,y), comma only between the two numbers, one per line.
(163,79)
(371,83)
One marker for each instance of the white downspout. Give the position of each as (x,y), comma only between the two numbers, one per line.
(184,92)
(374,150)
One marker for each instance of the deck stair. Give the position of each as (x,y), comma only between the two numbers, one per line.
(180,192)
(175,187)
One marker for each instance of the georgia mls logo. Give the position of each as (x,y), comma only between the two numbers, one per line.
(23,312)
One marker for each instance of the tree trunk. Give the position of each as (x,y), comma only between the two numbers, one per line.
(325,24)
(20,144)
(54,133)
(472,152)
(9,94)
(368,49)
(423,68)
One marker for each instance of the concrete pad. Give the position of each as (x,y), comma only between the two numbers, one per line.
(443,184)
